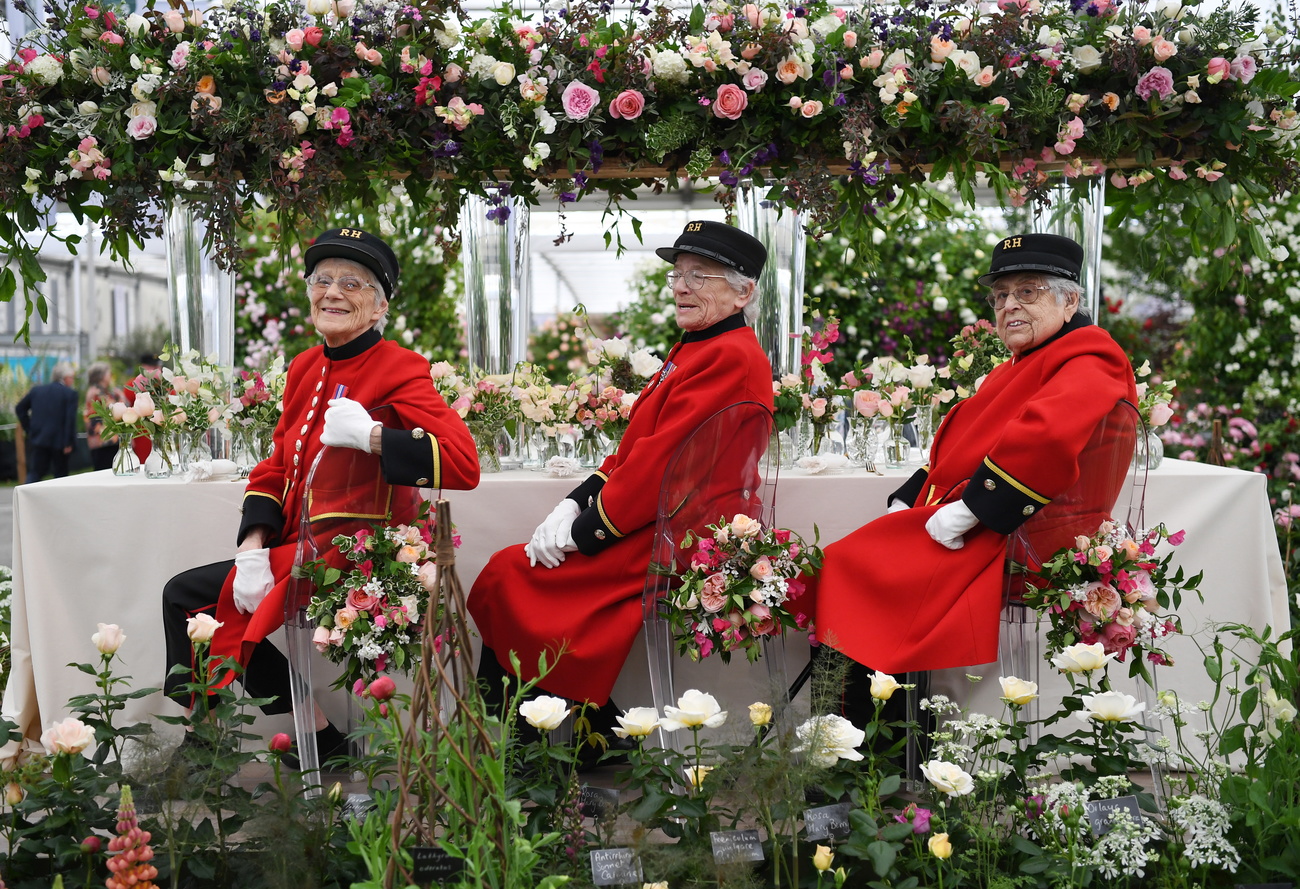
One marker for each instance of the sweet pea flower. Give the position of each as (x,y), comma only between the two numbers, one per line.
(109,638)
(695,709)
(544,712)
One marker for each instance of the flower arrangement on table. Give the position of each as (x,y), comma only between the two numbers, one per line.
(199,390)
(256,401)
(484,403)
(617,375)
(739,588)
(1113,590)
(1155,397)
(150,415)
(369,617)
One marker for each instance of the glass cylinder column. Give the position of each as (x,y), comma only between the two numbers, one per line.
(498,280)
(779,319)
(202,297)
(1078,211)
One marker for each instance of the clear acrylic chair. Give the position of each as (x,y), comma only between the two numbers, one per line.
(1109,486)
(722,470)
(344,493)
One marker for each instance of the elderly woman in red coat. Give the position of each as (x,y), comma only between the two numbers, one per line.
(330,392)
(920,588)
(576,585)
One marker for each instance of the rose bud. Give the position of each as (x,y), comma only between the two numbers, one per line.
(382,688)
(92,845)
(280,743)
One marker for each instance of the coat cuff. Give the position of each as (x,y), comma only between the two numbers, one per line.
(593,532)
(585,494)
(260,509)
(999,500)
(911,489)
(411,458)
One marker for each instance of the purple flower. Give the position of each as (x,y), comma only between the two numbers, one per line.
(1158,81)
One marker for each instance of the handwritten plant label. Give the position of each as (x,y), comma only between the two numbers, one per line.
(735,846)
(597,802)
(355,806)
(610,867)
(429,864)
(826,822)
(1101,812)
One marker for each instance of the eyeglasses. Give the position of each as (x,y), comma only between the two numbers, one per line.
(322,283)
(1026,296)
(694,279)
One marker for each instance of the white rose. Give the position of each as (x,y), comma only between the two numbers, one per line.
(503,73)
(1080,658)
(1171,9)
(202,626)
(921,376)
(136,24)
(966,61)
(948,778)
(544,712)
(69,736)
(645,364)
(615,348)
(694,709)
(143,108)
(637,722)
(940,304)
(88,107)
(1086,58)
(1018,691)
(883,686)
(300,122)
(1110,706)
(109,638)
(828,739)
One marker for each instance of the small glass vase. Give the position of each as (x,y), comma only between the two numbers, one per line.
(897,449)
(125,464)
(864,441)
(488,441)
(191,446)
(783,445)
(611,439)
(162,459)
(588,446)
(927,420)
(546,444)
(1149,451)
(249,448)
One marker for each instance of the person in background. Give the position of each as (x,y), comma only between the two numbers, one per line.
(330,392)
(99,387)
(920,588)
(48,415)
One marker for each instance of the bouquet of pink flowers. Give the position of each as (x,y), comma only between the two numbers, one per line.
(1112,588)
(370,617)
(739,588)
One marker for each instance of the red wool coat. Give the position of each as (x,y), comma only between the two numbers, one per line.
(888,595)
(590,605)
(425,444)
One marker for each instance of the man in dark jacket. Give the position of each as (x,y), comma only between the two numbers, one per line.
(48,415)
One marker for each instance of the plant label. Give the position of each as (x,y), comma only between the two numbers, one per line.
(610,867)
(826,822)
(735,846)
(1101,812)
(430,864)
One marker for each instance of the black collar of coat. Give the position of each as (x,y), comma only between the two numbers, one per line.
(353,348)
(1078,322)
(732,322)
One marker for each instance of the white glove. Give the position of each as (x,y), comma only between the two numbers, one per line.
(897,506)
(949,523)
(554,536)
(253,579)
(347,425)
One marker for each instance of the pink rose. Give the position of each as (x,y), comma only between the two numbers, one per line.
(1118,638)
(761,570)
(1218,69)
(382,688)
(280,743)
(752,14)
(1156,82)
(1142,35)
(1163,49)
(873,58)
(1160,413)
(579,100)
(713,596)
(1101,600)
(811,108)
(760,620)
(70,736)
(755,79)
(1243,68)
(174,20)
(984,77)
(819,407)
(850,39)
(312,35)
(321,638)
(866,402)
(360,600)
(1001,101)
(627,105)
(294,37)
(111,38)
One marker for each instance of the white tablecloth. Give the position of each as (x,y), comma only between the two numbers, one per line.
(95,548)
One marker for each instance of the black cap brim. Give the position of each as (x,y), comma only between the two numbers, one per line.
(1046,268)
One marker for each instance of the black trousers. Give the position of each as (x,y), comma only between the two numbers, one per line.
(102,457)
(193,592)
(45,461)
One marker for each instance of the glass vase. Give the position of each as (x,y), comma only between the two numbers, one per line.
(610,440)
(162,458)
(897,449)
(250,447)
(783,445)
(1149,451)
(125,464)
(488,441)
(498,280)
(588,447)
(927,420)
(546,444)
(779,321)
(864,441)
(191,446)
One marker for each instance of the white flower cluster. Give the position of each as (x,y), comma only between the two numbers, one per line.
(1205,824)
(1059,802)
(1122,851)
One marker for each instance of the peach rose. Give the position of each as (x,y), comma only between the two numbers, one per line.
(343,619)
(713,595)
(109,638)
(321,638)
(144,404)
(940,49)
(811,108)
(201,627)
(207,84)
(69,736)
(850,39)
(174,20)
(866,402)
(984,77)
(410,554)
(762,570)
(731,101)
(1101,600)
(743,526)
(360,600)
(428,577)
(789,70)
(627,105)
(873,58)
(760,620)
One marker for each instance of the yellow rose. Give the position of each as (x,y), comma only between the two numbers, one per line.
(822,858)
(1018,691)
(940,847)
(760,714)
(883,686)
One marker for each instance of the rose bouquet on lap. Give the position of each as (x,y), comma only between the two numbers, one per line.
(1112,589)
(739,588)
(369,616)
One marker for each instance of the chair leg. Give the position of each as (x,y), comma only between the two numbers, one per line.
(298,633)
(1020,654)
(660,655)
